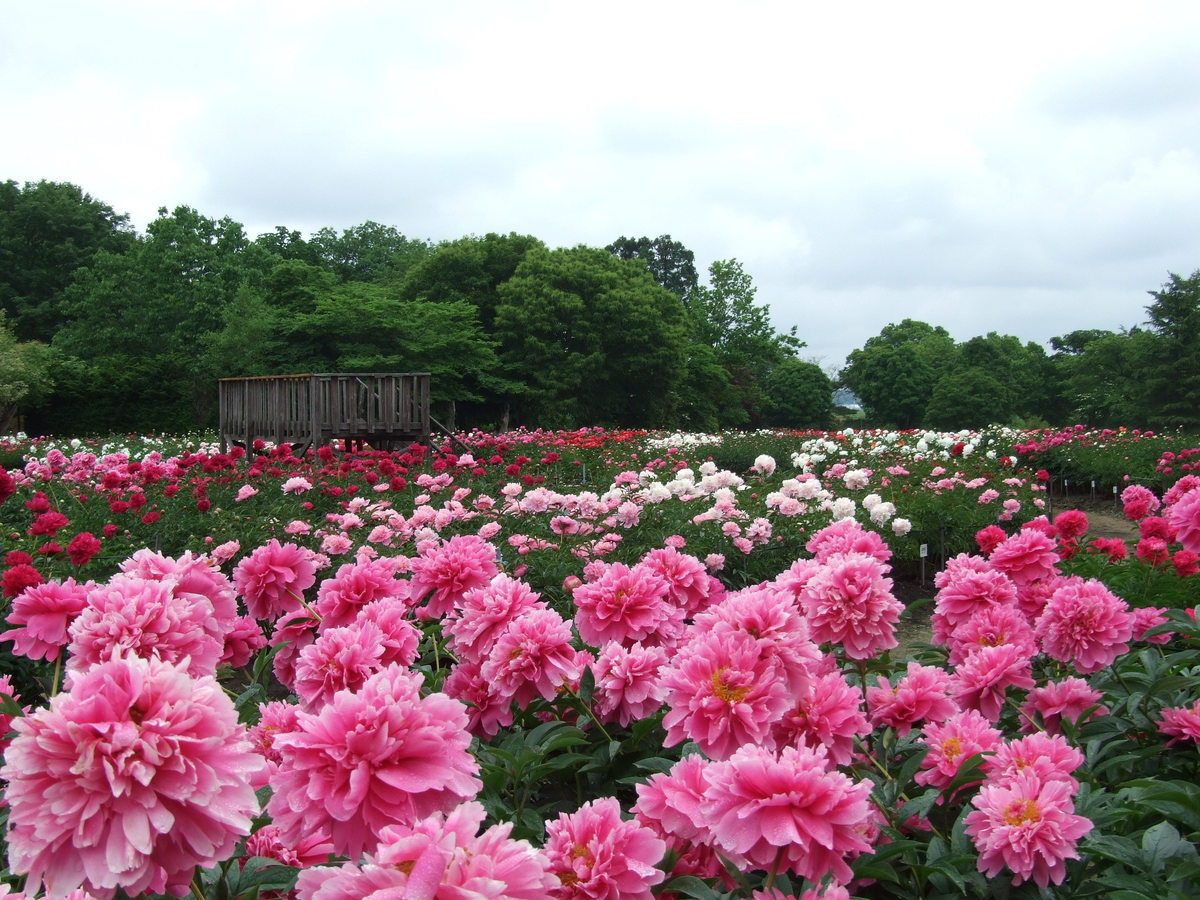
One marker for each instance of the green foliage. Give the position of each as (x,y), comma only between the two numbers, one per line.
(1173,378)
(799,395)
(672,264)
(968,398)
(25,373)
(368,252)
(895,372)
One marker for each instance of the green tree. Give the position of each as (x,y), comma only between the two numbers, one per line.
(968,397)
(47,231)
(1173,376)
(594,338)
(725,316)
(1107,380)
(671,263)
(894,373)
(25,373)
(368,252)
(799,395)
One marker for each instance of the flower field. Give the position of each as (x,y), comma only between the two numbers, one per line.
(600,664)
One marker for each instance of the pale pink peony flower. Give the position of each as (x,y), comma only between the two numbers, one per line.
(274,718)
(245,492)
(1085,624)
(366,760)
(190,575)
(982,680)
(356,584)
(827,713)
(532,657)
(1057,700)
(442,574)
(296,485)
(847,536)
(597,855)
(627,682)
(272,579)
(1147,617)
(990,628)
(483,613)
(1027,556)
(134,616)
(309,850)
(340,659)
(131,780)
(921,694)
(951,743)
(488,710)
(958,566)
(790,812)
(1028,825)
(671,801)
(723,690)
(689,586)
(1048,756)
(1181,723)
(440,857)
(42,614)
(1184,517)
(969,593)
(624,605)
(850,603)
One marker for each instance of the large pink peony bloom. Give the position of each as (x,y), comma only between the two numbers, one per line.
(1026,557)
(689,586)
(1181,723)
(441,857)
(627,682)
(827,713)
(723,690)
(1184,517)
(1085,624)
(193,577)
(488,710)
(341,659)
(483,613)
(532,657)
(1139,502)
(1028,825)
(951,743)
(132,779)
(1057,700)
(273,578)
(671,801)
(847,536)
(983,679)
(792,811)
(134,616)
(1048,756)
(970,593)
(990,628)
(921,694)
(366,760)
(446,572)
(850,603)
(597,855)
(624,605)
(42,614)
(354,586)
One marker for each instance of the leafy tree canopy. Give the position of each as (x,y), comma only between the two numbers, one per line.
(671,263)
(799,395)
(894,373)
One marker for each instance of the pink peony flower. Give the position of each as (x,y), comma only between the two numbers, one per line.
(356,584)
(922,694)
(532,657)
(830,892)
(1139,501)
(989,538)
(951,743)
(989,628)
(827,713)
(791,811)
(983,678)
(130,780)
(1048,756)
(847,536)
(341,659)
(1184,516)
(242,641)
(1181,723)
(274,718)
(1028,825)
(1056,700)
(193,577)
(309,850)
(1070,524)
(42,614)
(441,575)
(488,710)
(723,690)
(850,603)
(627,682)
(366,760)
(1085,624)
(597,855)
(134,616)
(272,579)
(671,801)
(440,857)
(624,605)
(1025,557)
(1147,617)
(689,586)
(970,592)
(483,613)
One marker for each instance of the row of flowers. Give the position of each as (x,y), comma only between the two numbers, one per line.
(513,688)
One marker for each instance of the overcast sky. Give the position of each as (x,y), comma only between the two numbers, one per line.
(1027,168)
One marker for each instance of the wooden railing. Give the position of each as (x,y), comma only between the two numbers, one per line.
(379,409)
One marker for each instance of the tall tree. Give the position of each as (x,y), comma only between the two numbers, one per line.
(368,252)
(799,395)
(1174,374)
(594,338)
(25,373)
(47,231)
(894,373)
(671,263)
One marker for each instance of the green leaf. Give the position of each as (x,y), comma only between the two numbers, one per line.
(690,886)
(1161,842)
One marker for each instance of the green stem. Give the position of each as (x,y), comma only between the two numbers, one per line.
(197,891)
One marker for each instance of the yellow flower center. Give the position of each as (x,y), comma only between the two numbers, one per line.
(727,692)
(1021,811)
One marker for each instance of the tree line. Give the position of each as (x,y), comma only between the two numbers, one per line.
(107,329)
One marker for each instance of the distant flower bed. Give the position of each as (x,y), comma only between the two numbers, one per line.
(595,664)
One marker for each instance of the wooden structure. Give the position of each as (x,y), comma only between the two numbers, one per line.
(384,410)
